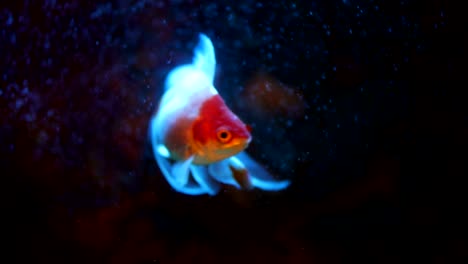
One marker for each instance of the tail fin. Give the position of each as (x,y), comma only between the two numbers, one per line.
(204,57)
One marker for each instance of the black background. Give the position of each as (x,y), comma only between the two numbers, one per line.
(372,135)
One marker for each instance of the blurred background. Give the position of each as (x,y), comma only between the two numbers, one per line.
(358,103)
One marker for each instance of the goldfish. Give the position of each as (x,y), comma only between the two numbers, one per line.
(198,142)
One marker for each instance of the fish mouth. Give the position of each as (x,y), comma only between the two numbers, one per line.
(239,143)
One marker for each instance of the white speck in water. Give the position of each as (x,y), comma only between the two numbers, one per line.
(30,117)
(19,103)
(9,20)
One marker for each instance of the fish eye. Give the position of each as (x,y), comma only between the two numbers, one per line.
(223,135)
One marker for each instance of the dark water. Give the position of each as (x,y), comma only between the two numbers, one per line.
(365,116)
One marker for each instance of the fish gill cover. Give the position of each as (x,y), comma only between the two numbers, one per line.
(351,100)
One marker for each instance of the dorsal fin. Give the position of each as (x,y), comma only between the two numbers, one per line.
(204,57)
(201,70)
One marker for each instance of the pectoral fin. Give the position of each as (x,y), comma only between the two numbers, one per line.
(221,172)
(181,169)
(167,170)
(200,174)
(231,171)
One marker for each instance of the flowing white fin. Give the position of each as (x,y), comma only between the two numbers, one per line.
(200,72)
(204,57)
(189,188)
(240,173)
(200,174)
(166,167)
(221,172)
(181,171)
(259,176)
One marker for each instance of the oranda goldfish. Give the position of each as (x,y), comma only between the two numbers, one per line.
(198,142)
